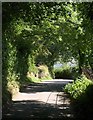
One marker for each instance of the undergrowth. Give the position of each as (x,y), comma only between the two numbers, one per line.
(81,95)
(78,87)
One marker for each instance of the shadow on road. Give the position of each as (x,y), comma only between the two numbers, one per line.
(52,86)
(36,109)
(26,109)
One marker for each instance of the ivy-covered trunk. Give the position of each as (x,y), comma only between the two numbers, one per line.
(51,69)
(81,60)
(22,65)
(91,60)
(6,96)
(9,67)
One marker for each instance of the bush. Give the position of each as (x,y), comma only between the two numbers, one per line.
(13,87)
(78,87)
(63,72)
(43,71)
(42,74)
(81,95)
(74,72)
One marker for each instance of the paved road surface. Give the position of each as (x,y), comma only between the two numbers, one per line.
(41,100)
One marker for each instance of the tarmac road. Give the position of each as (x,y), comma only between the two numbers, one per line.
(41,100)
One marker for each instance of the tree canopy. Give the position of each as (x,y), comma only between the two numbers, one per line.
(43,33)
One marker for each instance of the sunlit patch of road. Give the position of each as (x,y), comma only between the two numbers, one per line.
(44,99)
(46,95)
(58,81)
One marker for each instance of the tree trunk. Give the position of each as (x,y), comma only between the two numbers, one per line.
(81,61)
(91,61)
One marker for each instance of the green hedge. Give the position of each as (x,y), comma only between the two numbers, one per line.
(78,87)
(81,95)
(66,72)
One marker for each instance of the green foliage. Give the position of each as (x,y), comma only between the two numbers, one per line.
(66,72)
(13,87)
(46,78)
(81,95)
(74,72)
(78,87)
(33,79)
(43,71)
(39,73)
(31,63)
(41,32)
(9,68)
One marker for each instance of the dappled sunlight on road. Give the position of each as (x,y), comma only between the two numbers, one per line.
(46,90)
(41,100)
(57,81)
(47,97)
(39,96)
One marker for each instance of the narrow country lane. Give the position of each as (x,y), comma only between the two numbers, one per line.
(41,100)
